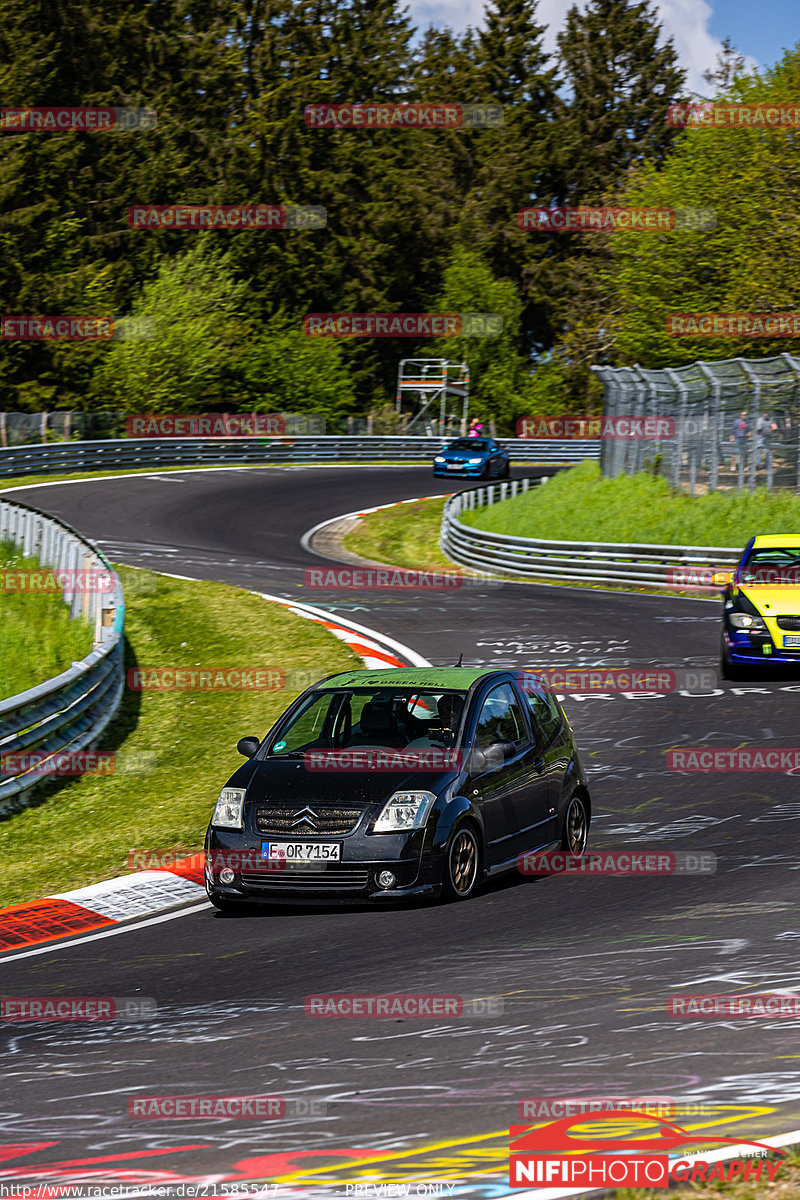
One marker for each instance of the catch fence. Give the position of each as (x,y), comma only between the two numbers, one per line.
(736,422)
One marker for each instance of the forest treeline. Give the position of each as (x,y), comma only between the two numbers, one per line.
(418,220)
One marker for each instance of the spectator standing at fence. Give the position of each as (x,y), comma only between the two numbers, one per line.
(475,429)
(739,434)
(766,426)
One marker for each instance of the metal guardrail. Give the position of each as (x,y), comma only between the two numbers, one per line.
(641,565)
(111,455)
(69,712)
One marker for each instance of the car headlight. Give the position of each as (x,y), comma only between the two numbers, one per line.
(229,812)
(474,460)
(405,810)
(740,620)
(439,459)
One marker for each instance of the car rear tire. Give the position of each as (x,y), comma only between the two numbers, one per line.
(462,865)
(576,826)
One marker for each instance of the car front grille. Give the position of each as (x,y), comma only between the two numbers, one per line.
(281,821)
(305,877)
(788,623)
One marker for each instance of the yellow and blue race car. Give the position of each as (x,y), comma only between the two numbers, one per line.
(761,611)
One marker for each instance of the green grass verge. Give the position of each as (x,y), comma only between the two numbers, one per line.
(82,829)
(37,638)
(405,536)
(581,505)
(408,536)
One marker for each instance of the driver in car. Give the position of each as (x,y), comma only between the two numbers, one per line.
(449,709)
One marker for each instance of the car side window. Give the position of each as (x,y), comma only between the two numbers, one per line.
(545,715)
(501,719)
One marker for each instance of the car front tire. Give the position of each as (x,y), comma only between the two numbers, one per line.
(462,864)
(575,833)
(231,908)
(726,668)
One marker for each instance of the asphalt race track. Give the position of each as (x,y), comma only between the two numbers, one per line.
(584,967)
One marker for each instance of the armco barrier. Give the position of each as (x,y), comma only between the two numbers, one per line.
(628,565)
(68,713)
(130,453)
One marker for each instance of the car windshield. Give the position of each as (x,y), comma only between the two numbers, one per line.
(773,565)
(469,444)
(346,718)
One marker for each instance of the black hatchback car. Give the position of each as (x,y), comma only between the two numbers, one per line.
(398,783)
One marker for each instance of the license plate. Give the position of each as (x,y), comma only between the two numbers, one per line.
(302,851)
(791,639)
(455,466)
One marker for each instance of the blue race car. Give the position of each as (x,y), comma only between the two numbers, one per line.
(475,456)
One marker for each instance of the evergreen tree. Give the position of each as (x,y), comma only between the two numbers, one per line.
(326,52)
(65,195)
(622,78)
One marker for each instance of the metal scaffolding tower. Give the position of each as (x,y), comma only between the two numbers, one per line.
(428,380)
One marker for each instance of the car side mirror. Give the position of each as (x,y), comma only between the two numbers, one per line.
(248,746)
(489,759)
(476,762)
(501,750)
